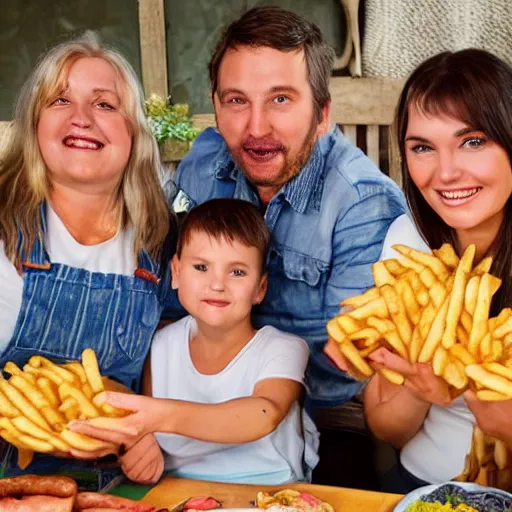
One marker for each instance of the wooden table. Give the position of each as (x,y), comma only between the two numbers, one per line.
(171,491)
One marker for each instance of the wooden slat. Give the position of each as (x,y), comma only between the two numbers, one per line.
(153,49)
(368,100)
(203,121)
(395,172)
(372,143)
(350,131)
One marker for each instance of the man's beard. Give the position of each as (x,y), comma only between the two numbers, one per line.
(291,166)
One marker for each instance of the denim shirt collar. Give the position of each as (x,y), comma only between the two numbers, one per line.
(303,191)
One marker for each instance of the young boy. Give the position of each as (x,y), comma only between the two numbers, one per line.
(226,396)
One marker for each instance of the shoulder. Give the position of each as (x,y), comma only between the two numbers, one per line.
(171,332)
(402,231)
(197,171)
(352,177)
(275,340)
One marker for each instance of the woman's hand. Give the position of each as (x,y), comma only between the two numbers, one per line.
(493,418)
(420,379)
(143,462)
(332,351)
(126,431)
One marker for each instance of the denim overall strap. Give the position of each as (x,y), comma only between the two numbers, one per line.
(65,310)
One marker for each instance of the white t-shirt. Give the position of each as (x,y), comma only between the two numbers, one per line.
(275,458)
(113,256)
(436,453)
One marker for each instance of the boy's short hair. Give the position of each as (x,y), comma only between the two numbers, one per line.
(231,219)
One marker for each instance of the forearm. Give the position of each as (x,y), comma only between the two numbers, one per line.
(392,412)
(236,421)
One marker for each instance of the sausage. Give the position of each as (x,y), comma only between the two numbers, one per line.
(96,502)
(39,503)
(201,503)
(29,485)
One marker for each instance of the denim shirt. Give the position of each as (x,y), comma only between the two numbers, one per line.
(328,225)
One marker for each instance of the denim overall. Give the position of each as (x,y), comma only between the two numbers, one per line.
(66,310)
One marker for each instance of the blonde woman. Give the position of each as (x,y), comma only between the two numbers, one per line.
(85,232)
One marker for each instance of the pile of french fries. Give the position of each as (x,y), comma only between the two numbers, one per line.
(432,308)
(489,462)
(36,404)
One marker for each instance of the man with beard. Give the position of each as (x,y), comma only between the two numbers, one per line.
(327,205)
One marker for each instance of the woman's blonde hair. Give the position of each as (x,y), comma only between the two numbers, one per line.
(24,182)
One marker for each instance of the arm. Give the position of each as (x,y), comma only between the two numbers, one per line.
(393,414)
(396,413)
(240,420)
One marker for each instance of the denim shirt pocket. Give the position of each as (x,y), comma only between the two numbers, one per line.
(296,283)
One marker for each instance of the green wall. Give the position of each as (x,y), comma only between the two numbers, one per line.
(29,27)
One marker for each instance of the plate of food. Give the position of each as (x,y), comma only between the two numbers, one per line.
(456,497)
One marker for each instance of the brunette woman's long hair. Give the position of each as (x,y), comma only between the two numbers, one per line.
(475,87)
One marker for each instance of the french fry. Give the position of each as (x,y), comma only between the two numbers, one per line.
(457,297)
(351,353)
(40,361)
(369,334)
(412,307)
(483,267)
(396,309)
(30,391)
(381,275)
(471,294)
(395,342)
(393,377)
(504,328)
(348,324)
(447,255)
(440,360)
(416,344)
(420,290)
(43,372)
(427,260)
(426,319)
(496,351)
(481,315)
(455,375)
(76,368)
(92,371)
(395,267)
(435,334)
(334,330)
(48,388)
(25,426)
(499,369)
(85,406)
(376,308)
(460,352)
(489,380)
(360,300)
(488,395)
(502,455)
(25,455)
(7,409)
(83,443)
(462,335)
(23,404)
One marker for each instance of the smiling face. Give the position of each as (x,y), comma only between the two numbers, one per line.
(264,110)
(83,135)
(464,176)
(218,281)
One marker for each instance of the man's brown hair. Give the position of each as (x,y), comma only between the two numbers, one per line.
(283,30)
(229,219)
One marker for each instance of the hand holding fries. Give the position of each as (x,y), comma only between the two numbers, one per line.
(426,325)
(431,308)
(36,404)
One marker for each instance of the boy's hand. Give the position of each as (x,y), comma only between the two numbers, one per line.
(143,463)
(126,431)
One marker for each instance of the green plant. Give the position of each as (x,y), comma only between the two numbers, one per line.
(169,121)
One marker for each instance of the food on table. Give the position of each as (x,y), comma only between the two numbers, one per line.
(93,501)
(453,497)
(434,308)
(201,503)
(293,500)
(37,493)
(36,404)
